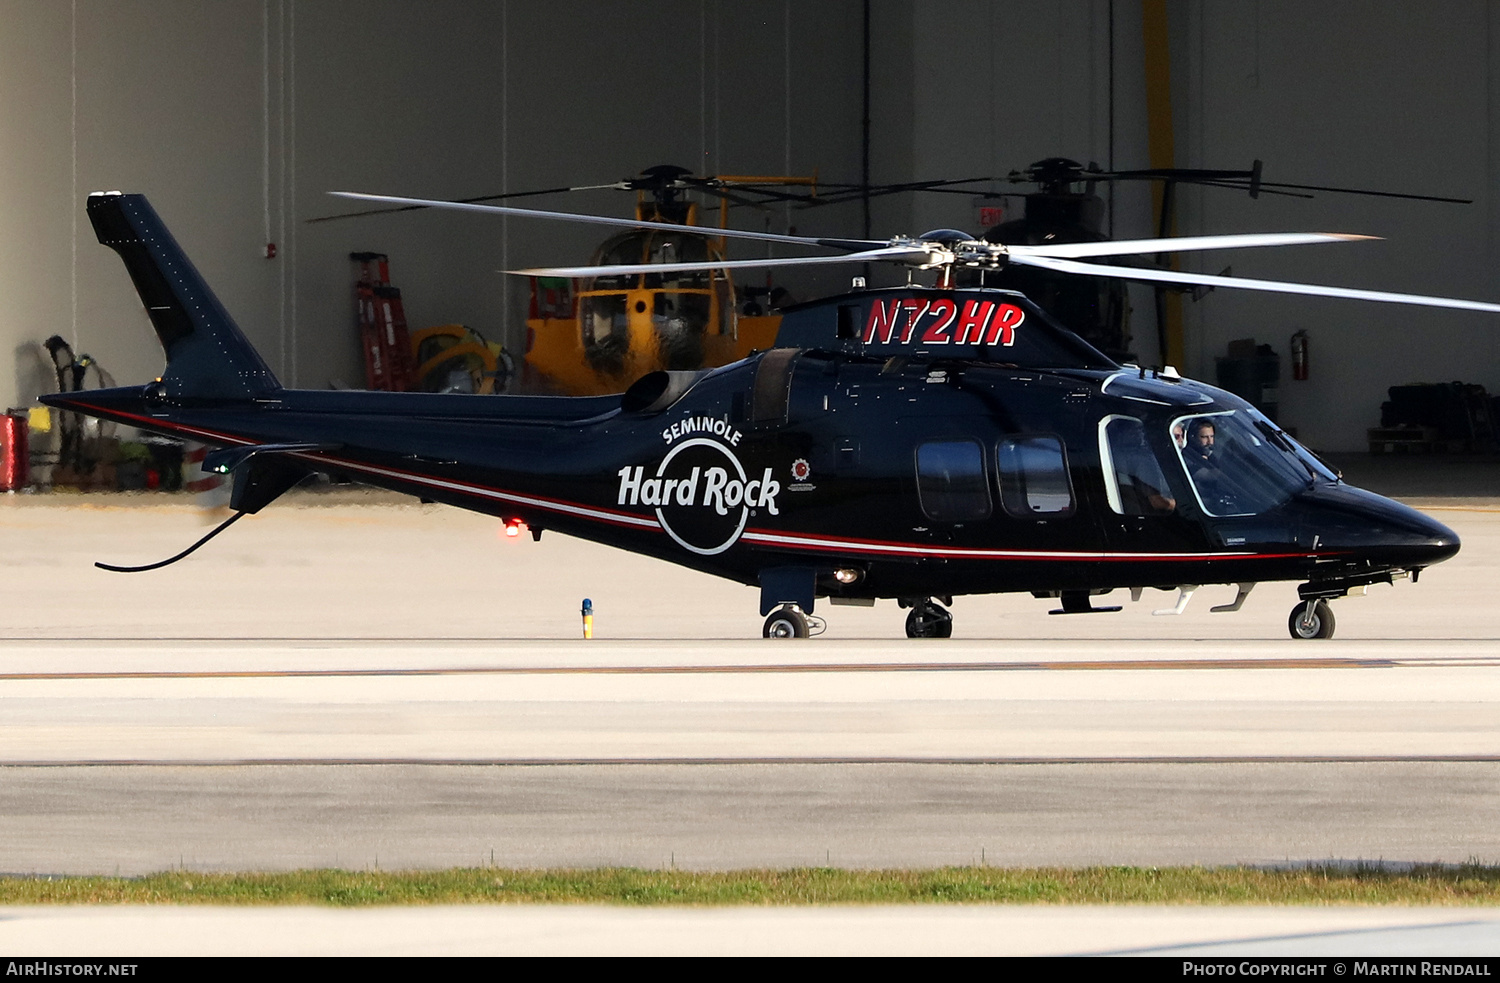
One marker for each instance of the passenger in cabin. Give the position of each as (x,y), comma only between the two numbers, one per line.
(1179,436)
(1143,488)
(1151,501)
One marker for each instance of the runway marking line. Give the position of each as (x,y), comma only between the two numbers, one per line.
(1453,508)
(1130,665)
(1206,759)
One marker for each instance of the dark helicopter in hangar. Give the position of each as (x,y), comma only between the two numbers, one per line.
(915,443)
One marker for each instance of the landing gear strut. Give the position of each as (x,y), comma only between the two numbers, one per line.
(928,619)
(1311,619)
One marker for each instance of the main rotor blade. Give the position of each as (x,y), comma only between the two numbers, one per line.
(463,206)
(1243,283)
(1361,191)
(1242,180)
(511,194)
(769,196)
(1176,244)
(1259,190)
(892,253)
(1188,174)
(835,194)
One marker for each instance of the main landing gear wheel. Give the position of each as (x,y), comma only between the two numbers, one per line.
(787,622)
(929,620)
(1311,619)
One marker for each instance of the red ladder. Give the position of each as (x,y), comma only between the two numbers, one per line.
(382,325)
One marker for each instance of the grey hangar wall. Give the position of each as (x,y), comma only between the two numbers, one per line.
(236,117)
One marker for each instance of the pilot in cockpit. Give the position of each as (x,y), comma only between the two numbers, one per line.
(1198,453)
(1202,455)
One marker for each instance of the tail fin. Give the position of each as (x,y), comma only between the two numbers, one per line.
(207,356)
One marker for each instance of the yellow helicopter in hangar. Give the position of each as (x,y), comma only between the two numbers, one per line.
(599,334)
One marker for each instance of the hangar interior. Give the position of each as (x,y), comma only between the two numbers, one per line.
(237,117)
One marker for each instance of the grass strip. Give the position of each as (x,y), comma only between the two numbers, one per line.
(1467,884)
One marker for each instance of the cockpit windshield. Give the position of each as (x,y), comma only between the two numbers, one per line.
(682,304)
(673,247)
(635,248)
(1239,463)
(625,249)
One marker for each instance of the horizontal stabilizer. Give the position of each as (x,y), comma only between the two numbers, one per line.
(227,460)
(261,473)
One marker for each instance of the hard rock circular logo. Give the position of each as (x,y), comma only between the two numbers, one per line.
(701,494)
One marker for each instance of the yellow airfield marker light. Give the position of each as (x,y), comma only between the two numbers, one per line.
(588,618)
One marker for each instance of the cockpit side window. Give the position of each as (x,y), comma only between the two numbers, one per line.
(1237,464)
(1034,477)
(951,482)
(606,330)
(1133,480)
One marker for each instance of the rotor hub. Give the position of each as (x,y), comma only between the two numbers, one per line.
(945,237)
(951,247)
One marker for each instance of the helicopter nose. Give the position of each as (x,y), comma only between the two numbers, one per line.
(1436,542)
(1372,527)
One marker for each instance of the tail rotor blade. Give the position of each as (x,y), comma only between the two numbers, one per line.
(1243,283)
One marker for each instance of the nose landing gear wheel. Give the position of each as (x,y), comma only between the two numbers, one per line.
(787,622)
(929,620)
(1311,619)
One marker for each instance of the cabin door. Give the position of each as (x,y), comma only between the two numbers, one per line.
(1144,508)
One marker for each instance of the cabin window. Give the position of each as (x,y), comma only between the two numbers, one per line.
(951,483)
(606,330)
(680,320)
(1133,479)
(1034,477)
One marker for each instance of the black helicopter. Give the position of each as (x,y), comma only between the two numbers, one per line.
(1064,205)
(915,443)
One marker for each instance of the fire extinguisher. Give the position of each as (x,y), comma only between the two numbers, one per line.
(1299,356)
